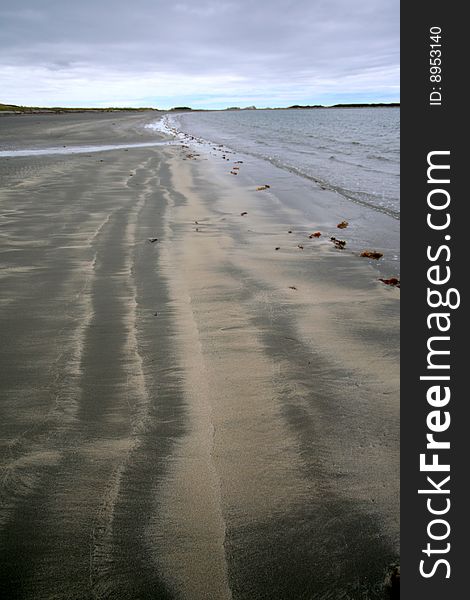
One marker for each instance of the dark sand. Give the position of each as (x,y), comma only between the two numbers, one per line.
(177,422)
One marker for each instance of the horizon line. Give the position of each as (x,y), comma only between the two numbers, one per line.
(6,107)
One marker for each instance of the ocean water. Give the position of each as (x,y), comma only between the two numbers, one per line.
(354,151)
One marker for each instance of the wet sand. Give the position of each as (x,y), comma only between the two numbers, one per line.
(178,421)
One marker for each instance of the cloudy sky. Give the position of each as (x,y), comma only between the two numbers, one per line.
(201,53)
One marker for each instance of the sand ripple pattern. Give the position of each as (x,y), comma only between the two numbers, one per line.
(196,417)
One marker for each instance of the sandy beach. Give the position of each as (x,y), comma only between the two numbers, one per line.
(194,407)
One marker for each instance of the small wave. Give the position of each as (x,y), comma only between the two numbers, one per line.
(380,157)
(362,198)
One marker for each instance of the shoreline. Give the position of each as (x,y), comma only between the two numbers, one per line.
(203,415)
(312,205)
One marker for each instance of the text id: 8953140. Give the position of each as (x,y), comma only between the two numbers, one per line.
(435,66)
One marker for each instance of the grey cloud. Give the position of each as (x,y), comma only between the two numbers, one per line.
(254,40)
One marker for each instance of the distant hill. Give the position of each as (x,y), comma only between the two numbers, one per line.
(372,105)
(322,106)
(358,105)
(59,109)
(306,106)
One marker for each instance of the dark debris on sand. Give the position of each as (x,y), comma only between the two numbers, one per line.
(340,244)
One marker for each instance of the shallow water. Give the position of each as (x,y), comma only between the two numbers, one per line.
(75,149)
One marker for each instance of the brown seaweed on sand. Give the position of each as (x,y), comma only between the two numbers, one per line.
(243,213)
(393,281)
(342,225)
(262,187)
(371,254)
(316,234)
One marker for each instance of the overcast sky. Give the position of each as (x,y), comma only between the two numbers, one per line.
(201,53)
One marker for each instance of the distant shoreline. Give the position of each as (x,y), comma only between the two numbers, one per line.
(13,109)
